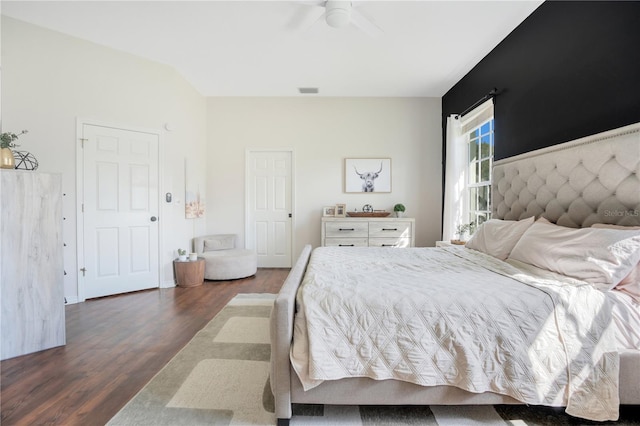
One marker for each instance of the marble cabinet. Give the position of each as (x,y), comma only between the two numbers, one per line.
(31,262)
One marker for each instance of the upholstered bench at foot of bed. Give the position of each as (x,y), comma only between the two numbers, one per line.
(229,264)
(223,261)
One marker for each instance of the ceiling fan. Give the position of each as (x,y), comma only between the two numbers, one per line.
(342,13)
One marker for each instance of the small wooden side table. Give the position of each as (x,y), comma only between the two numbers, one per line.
(189,273)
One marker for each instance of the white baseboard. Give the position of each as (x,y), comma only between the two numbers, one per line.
(168,284)
(69,300)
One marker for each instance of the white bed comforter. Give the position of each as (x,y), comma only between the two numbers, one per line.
(451,316)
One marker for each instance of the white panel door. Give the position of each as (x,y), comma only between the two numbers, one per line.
(270,207)
(121,204)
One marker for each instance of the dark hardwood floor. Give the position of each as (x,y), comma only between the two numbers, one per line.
(115,345)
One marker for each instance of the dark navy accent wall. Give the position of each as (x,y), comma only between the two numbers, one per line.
(571,69)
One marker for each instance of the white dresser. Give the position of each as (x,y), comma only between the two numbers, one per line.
(367,232)
(32,272)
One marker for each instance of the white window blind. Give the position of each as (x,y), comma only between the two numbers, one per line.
(477,117)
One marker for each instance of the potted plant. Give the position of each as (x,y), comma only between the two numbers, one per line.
(399,210)
(182,255)
(7,141)
(461,231)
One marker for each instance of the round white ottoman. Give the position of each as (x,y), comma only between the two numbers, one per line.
(229,264)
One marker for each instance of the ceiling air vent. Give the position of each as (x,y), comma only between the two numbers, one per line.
(308,90)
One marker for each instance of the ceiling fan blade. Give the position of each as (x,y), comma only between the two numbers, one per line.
(304,14)
(309,26)
(365,24)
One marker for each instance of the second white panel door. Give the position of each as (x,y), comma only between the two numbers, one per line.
(270,207)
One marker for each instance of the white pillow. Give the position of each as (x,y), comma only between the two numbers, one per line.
(631,283)
(497,237)
(220,243)
(602,257)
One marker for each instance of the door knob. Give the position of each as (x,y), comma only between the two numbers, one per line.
(153,218)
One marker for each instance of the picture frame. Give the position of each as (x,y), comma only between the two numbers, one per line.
(194,204)
(341,210)
(366,175)
(329,211)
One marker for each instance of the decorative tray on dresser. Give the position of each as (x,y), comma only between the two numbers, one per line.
(368,214)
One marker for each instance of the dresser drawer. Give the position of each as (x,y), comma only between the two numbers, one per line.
(389,229)
(390,242)
(346,229)
(346,242)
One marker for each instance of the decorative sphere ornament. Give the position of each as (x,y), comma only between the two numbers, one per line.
(25,160)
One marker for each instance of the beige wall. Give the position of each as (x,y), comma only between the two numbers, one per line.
(50,79)
(322,132)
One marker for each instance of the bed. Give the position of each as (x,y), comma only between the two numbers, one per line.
(570,335)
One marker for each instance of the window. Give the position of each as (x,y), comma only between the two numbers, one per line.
(469,159)
(480,163)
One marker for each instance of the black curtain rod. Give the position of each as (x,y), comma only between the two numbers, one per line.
(493,93)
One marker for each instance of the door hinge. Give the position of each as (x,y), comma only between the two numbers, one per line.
(84,270)
(82,207)
(82,140)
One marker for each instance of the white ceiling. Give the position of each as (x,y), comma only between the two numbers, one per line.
(270,48)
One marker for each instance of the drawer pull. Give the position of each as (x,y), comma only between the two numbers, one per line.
(388,245)
(346,229)
(345,245)
(389,229)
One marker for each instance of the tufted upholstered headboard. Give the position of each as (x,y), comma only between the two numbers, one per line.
(575,184)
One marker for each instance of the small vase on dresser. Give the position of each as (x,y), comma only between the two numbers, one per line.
(6,159)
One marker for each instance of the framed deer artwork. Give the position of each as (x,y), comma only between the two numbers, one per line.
(367,175)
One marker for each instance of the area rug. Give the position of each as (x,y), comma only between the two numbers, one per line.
(221,377)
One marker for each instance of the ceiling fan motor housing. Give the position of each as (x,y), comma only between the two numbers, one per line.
(338,13)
